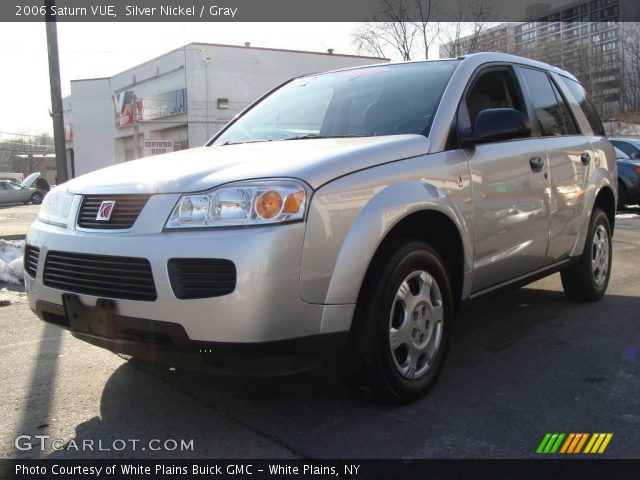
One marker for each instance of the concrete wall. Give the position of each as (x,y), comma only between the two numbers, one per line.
(92,117)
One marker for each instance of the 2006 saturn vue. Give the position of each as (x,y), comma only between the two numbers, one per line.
(349,212)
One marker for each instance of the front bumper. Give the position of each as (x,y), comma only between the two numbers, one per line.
(264,307)
(167,343)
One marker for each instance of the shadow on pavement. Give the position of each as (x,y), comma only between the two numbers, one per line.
(36,412)
(520,364)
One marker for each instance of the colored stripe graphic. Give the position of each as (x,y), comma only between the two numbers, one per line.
(581,443)
(543,443)
(574,443)
(598,443)
(550,443)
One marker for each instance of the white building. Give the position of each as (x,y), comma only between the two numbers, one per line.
(177,100)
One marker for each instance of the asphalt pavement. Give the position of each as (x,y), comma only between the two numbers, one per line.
(521,364)
(15,220)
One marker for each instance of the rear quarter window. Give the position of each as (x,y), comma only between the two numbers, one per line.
(586,106)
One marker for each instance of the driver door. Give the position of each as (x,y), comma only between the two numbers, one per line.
(509,184)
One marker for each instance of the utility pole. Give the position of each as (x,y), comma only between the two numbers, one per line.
(56,95)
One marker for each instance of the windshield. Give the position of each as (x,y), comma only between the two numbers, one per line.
(382,100)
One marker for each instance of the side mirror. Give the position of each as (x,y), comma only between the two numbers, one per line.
(635,155)
(496,124)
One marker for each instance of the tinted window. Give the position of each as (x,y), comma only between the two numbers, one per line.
(493,89)
(625,147)
(545,102)
(587,107)
(569,122)
(381,100)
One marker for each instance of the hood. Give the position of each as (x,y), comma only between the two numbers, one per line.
(30,180)
(316,161)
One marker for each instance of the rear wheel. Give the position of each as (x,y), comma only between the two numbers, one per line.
(36,198)
(402,323)
(587,280)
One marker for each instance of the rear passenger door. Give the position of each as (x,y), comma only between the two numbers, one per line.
(570,158)
(509,186)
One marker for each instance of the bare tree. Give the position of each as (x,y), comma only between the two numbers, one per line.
(630,81)
(398,33)
(463,37)
(427,29)
(24,154)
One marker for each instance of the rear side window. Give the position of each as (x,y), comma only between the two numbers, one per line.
(569,122)
(587,107)
(545,102)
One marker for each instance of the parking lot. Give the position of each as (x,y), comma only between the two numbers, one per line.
(521,364)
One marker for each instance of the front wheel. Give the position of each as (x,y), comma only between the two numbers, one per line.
(587,280)
(402,323)
(36,198)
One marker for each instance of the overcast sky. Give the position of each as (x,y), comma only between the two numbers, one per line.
(89,50)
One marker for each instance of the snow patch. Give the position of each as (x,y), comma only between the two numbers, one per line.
(11,268)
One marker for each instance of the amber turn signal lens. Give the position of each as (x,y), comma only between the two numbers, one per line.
(637,169)
(293,202)
(269,204)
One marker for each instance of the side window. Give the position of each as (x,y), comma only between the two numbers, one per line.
(544,101)
(587,107)
(493,89)
(569,122)
(626,147)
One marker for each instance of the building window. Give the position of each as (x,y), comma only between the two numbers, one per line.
(223,103)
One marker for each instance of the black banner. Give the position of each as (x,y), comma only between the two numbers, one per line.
(316,10)
(322,469)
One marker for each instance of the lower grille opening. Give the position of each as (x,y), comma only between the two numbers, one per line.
(106,276)
(31,257)
(193,278)
(145,336)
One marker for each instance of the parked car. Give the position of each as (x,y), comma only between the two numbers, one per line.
(630,146)
(628,179)
(11,192)
(353,211)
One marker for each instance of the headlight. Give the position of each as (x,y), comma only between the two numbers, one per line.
(55,208)
(245,203)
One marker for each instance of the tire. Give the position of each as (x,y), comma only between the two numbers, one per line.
(36,198)
(588,278)
(402,323)
(622,196)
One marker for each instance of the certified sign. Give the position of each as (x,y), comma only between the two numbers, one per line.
(157,147)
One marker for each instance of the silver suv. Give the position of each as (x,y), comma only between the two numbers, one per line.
(349,212)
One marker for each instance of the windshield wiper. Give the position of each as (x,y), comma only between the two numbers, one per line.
(313,136)
(240,142)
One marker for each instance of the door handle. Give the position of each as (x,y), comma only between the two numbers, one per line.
(536,163)
(586,158)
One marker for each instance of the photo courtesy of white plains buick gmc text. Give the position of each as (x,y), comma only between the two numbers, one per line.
(345,215)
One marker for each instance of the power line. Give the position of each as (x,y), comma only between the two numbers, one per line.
(25,134)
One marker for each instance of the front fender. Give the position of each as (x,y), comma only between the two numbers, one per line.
(371,226)
(347,223)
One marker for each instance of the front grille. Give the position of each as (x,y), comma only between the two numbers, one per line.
(125,211)
(31,256)
(100,275)
(201,277)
